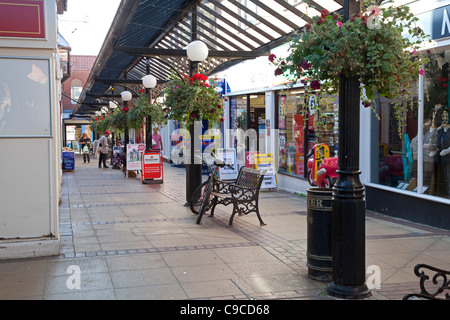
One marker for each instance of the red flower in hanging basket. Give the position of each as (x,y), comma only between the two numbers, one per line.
(315,85)
(272,57)
(324,13)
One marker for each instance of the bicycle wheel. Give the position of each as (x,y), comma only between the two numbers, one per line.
(197,197)
(205,203)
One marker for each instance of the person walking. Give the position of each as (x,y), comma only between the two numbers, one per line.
(85,146)
(158,146)
(103,149)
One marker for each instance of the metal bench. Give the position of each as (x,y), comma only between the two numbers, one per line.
(436,289)
(243,194)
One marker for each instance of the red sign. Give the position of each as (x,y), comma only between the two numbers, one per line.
(250,158)
(151,165)
(22,19)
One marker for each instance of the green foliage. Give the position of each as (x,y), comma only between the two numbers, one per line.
(118,120)
(143,108)
(101,124)
(193,99)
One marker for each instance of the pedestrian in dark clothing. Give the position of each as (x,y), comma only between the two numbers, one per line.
(85,146)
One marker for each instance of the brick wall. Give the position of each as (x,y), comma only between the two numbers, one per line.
(80,68)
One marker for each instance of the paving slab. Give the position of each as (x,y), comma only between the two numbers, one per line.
(131,241)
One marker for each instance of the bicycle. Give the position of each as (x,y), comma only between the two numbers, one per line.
(200,199)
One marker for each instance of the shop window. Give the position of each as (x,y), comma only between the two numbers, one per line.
(399,164)
(300,127)
(239,112)
(247,113)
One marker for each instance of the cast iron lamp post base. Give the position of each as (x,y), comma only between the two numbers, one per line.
(348,291)
(348,215)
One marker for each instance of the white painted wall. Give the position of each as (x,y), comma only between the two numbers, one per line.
(30,171)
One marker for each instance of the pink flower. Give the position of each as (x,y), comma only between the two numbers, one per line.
(339,23)
(414,52)
(422,73)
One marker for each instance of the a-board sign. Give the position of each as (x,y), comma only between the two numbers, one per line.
(134,156)
(228,155)
(264,161)
(152,167)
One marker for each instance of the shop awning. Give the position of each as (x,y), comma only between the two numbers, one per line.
(156,32)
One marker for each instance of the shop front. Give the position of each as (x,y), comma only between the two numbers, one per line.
(285,124)
(410,171)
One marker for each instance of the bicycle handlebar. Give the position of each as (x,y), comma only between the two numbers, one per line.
(222,164)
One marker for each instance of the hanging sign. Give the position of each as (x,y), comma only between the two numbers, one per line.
(22,19)
(264,161)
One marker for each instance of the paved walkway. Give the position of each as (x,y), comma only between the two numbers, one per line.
(135,241)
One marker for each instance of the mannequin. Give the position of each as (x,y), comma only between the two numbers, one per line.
(431,153)
(444,147)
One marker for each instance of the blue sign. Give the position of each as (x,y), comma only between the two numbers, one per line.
(440,22)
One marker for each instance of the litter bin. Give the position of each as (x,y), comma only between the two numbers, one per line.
(68,160)
(318,252)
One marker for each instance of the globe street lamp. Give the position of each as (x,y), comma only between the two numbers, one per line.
(196,51)
(149,82)
(126,96)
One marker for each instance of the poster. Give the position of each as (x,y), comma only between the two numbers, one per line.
(134,152)
(151,165)
(229,157)
(250,158)
(70,133)
(265,161)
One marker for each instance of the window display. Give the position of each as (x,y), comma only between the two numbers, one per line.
(301,127)
(399,152)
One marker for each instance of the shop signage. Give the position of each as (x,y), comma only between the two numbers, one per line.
(22,19)
(440,22)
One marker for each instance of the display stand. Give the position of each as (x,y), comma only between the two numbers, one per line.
(68,160)
(266,162)
(152,167)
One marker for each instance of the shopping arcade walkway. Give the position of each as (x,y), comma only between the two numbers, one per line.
(134,241)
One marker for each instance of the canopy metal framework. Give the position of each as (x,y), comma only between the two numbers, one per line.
(155,33)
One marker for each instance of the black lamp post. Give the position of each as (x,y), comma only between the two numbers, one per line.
(196,51)
(149,82)
(126,96)
(348,214)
